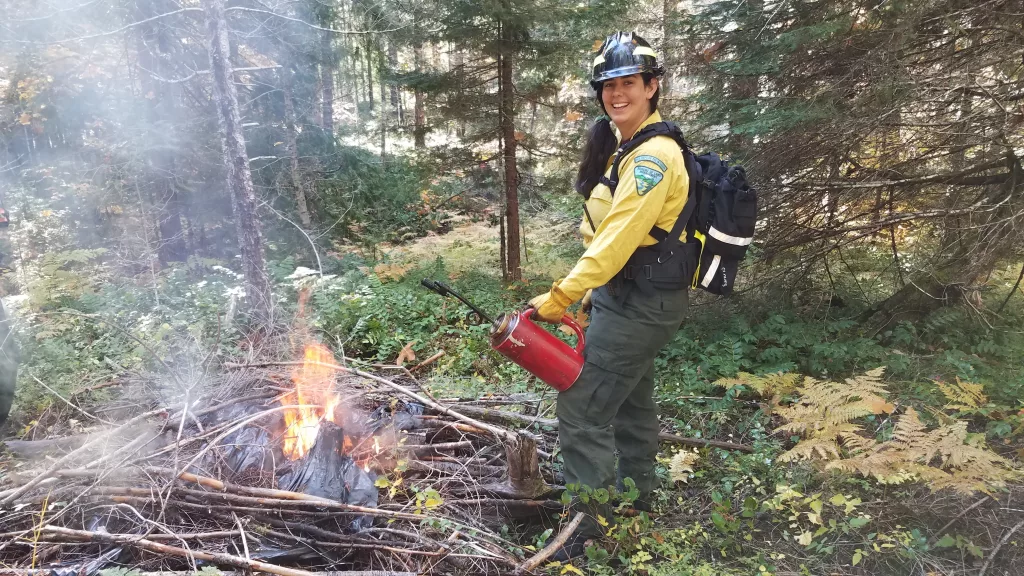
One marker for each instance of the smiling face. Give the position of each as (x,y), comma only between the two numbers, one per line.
(627,101)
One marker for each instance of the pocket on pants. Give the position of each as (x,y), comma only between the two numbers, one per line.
(611,380)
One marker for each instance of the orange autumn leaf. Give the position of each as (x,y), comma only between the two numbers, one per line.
(581,318)
(406,355)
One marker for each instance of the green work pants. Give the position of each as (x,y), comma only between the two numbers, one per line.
(611,405)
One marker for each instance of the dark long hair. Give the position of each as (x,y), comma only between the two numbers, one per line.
(601,145)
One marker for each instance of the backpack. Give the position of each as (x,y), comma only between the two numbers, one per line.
(719,217)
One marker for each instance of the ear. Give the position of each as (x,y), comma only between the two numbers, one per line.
(651,88)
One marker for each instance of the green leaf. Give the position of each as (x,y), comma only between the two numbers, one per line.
(859,522)
(946,541)
(857,555)
(718,520)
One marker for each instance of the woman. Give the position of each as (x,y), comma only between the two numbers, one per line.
(611,406)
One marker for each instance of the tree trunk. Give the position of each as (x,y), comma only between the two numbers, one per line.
(458,63)
(288,79)
(506,115)
(419,114)
(161,162)
(383,113)
(369,72)
(356,75)
(396,108)
(327,64)
(236,164)
(743,89)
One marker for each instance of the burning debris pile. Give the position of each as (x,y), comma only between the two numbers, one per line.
(289,468)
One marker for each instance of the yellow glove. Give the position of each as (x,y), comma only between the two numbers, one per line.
(585,304)
(550,307)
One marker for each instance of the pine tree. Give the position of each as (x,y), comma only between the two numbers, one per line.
(867,118)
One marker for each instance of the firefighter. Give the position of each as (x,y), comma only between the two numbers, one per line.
(610,408)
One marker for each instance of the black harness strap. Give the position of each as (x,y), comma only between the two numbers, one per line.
(645,134)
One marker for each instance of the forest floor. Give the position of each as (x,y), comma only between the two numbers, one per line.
(954,381)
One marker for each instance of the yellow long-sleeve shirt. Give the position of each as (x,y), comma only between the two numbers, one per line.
(652,189)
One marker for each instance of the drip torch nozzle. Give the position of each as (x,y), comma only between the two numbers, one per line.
(445,290)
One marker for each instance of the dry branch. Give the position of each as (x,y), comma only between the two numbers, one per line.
(699,443)
(49,572)
(427,362)
(74,454)
(552,546)
(136,541)
(514,419)
(1006,538)
(505,435)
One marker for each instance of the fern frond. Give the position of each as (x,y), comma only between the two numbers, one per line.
(775,384)
(812,449)
(946,457)
(964,396)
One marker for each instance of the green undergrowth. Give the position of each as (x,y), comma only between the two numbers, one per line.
(718,511)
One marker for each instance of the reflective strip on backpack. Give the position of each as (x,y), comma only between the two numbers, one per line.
(734,240)
(710,274)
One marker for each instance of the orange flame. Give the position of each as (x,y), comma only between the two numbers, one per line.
(314,380)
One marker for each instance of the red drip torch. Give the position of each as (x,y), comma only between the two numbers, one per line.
(515,336)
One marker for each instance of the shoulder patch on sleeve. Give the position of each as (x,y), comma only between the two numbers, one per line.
(652,160)
(646,179)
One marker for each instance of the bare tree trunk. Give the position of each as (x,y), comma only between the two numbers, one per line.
(161,162)
(383,113)
(369,72)
(327,63)
(396,108)
(288,79)
(458,63)
(236,164)
(356,75)
(506,115)
(419,113)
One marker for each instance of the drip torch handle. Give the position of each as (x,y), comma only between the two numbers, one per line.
(581,341)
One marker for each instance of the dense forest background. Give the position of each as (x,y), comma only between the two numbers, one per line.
(178,172)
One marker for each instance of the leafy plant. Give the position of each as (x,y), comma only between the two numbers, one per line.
(825,418)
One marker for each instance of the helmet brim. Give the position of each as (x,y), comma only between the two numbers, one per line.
(625,71)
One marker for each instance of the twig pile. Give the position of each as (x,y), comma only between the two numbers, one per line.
(163,491)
